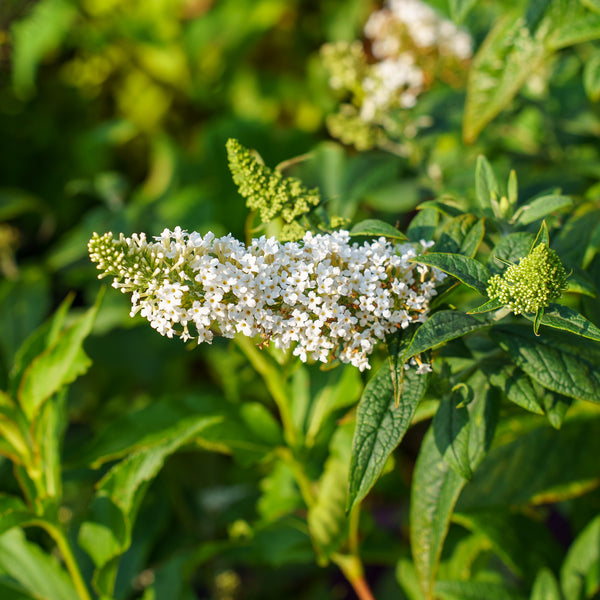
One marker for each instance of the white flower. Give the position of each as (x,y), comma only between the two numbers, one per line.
(327,297)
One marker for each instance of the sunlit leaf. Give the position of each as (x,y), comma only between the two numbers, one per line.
(468,270)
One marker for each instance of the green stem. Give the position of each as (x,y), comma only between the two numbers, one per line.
(275,384)
(67,554)
(352,568)
(304,483)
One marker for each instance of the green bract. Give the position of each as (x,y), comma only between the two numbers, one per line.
(530,286)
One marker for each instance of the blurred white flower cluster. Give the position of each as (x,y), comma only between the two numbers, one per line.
(325,296)
(407,47)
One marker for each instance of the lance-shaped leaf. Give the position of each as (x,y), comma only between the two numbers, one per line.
(327,518)
(451,430)
(462,235)
(488,306)
(376,228)
(516,386)
(38,573)
(436,487)
(581,562)
(468,270)
(524,545)
(475,590)
(57,366)
(107,534)
(567,319)
(380,425)
(14,513)
(486,185)
(545,586)
(441,327)
(558,361)
(423,224)
(540,207)
(535,464)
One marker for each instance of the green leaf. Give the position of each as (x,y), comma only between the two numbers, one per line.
(516,386)
(540,207)
(448,208)
(486,185)
(229,431)
(460,8)
(38,341)
(567,319)
(38,573)
(451,430)
(435,490)
(559,362)
(542,237)
(14,513)
(525,545)
(510,249)
(474,590)
(593,5)
(339,389)
(571,24)
(37,34)
(441,327)
(504,62)
(107,534)
(583,557)
(462,235)
(279,494)
(423,224)
(545,586)
(591,77)
(376,228)
(555,407)
(436,487)
(327,519)
(380,426)
(468,270)
(488,306)
(57,366)
(532,463)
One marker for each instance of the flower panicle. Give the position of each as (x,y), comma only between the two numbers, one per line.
(325,297)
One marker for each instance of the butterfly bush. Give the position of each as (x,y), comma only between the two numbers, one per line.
(324,296)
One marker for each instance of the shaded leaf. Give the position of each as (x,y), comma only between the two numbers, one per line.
(486,185)
(436,487)
(423,224)
(380,426)
(536,464)
(475,590)
(441,327)
(57,366)
(559,362)
(583,557)
(327,519)
(107,534)
(14,513)
(36,35)
(524,545)
(516,386)
(451,430)
(460,8)
(38,573)
(468,270)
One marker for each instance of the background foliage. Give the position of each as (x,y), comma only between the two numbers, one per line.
(114,115)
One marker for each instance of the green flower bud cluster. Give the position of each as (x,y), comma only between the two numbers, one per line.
(268,192)
(530,286)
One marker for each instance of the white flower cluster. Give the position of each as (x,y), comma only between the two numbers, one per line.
(324,296)
(417,20)
(397,34)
